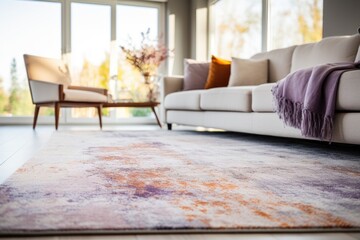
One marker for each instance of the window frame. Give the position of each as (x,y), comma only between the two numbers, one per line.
(211,26)
(65,117)
(17,120)
(265,26)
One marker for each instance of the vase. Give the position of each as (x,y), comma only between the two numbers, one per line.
(113,86)
(151,82)
(124,95)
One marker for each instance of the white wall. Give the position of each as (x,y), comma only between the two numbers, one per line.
(179,27)
(341,17)
(199,29)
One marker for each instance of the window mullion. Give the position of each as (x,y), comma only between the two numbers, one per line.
(265,25)
(66,31)
(113,59)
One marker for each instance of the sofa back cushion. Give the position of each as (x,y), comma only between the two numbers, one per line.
(328,50)
(279,62)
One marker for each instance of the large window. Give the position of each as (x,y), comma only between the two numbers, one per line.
(293,22)
(85,33)
(90,48)
(26,27)
(129,81)
(89,33)
(237,26)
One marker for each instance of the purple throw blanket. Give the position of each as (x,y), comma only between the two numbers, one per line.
(306,99)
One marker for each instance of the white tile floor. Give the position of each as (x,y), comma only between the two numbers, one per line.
(19,143)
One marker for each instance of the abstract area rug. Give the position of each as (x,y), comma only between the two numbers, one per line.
(124,182)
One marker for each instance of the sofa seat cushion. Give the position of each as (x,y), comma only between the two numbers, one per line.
(262,99)
(348,98)
(185,100)
(83,96)
(236,99)
(348,93)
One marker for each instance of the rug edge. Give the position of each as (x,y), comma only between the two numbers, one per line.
(176,231)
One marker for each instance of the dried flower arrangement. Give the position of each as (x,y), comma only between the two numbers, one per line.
(148,57)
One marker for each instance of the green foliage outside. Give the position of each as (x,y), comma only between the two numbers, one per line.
(307,25)
(4,98)
(311,31)
(140,112)
(99,75)
(16,102)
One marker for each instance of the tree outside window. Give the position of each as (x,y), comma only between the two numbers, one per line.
(236,25)
(294,22)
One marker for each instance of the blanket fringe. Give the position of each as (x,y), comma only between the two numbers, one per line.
(316,125)
(290,112)
(312,124)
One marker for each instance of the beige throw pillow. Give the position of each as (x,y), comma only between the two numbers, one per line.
(247,72)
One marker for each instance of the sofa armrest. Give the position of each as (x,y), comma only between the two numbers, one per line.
(44,92)
(169,84)
(172,84)
(102,91)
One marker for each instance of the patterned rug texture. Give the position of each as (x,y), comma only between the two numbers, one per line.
(143,181)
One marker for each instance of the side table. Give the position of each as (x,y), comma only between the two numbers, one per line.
(151,105)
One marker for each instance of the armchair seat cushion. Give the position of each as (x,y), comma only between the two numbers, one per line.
(72,95)
(186,100)
(235,99)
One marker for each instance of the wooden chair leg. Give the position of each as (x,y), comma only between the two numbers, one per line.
(99,108)
(57,115)
(36,113)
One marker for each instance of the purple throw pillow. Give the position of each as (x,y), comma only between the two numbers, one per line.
(195,74)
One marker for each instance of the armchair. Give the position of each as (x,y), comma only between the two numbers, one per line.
(50,86)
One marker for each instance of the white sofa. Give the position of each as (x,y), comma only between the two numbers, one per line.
(250,109)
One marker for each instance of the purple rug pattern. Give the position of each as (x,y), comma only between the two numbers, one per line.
(162,180)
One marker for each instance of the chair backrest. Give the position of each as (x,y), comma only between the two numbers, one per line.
(47,70)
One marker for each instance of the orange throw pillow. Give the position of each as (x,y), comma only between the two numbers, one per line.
(219,73)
